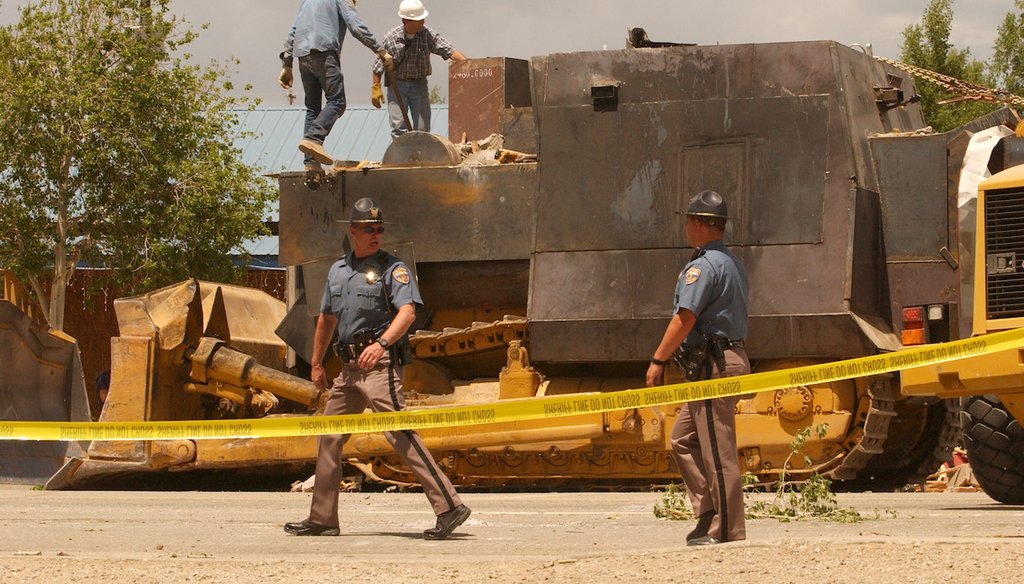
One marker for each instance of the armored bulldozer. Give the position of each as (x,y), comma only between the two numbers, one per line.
(546,265)
(844,210)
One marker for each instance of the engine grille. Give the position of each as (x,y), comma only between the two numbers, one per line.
(1004,252)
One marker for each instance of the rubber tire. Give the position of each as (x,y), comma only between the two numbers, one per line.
(995,447)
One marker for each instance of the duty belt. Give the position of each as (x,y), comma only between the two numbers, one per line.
(349,351)
(697,360)
(360,340)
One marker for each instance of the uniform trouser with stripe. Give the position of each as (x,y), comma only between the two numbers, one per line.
(704,448)
(379,389)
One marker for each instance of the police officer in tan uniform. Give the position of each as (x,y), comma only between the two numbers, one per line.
(370,299)
(710,321)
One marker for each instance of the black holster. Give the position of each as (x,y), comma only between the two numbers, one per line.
(698,360)
(360,340)
(401,351)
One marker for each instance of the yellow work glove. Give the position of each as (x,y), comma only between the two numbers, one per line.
(284,79)
(386,58)
(376,96)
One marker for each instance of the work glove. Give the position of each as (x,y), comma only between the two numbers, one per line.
(386,58)
(376,96)
(284,79)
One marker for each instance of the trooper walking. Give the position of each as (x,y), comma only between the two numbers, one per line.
(710,320)
(411,45)
(370,301)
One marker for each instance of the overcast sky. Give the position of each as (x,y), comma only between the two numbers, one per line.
(254,30)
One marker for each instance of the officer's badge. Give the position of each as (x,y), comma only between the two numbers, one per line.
(692,274)
(374,213)
(401,275)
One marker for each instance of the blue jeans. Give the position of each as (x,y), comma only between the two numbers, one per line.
(321,77)
(416,96)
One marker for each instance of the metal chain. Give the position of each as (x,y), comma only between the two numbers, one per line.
(964,89)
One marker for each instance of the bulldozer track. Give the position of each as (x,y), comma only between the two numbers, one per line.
(626,465)
(479,336)
(871,430)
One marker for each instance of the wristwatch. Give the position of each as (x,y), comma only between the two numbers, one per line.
(383,342)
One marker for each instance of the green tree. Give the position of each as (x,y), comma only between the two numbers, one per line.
(927,45)
(116,151)
(1007,65)
(436,96)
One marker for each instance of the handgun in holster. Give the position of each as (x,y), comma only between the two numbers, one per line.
(360,340)
(717,346)
(696,360)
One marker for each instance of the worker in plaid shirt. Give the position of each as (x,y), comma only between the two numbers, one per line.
(410,45)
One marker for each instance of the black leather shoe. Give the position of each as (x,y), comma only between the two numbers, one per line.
(703,524)
(304,527)
(447,522)
(706,540)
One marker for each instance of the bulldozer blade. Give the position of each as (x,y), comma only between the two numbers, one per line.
(41,379)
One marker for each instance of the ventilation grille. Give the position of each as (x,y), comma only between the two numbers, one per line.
(1004,252)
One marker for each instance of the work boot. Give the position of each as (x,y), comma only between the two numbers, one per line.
(316,150)
(305,527)
(703,524)
(706,540)
(447,522)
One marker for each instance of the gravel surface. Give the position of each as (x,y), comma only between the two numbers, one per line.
(550,537)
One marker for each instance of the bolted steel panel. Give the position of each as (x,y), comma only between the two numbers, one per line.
(479,90)
(915,205)
(635,195)
(451,213)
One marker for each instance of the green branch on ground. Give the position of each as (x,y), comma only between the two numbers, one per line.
(809,499)
(674,504)
(806,499)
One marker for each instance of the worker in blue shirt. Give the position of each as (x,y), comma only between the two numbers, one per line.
(315,38)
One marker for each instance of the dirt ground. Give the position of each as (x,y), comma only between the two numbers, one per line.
(537,537)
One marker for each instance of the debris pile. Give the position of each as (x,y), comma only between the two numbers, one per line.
(955,478)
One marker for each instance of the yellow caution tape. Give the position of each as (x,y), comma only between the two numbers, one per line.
(518,409)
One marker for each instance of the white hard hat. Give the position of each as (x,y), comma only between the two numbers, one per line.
(412,10)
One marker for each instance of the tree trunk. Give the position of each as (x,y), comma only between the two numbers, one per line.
(62,271)
(58,291)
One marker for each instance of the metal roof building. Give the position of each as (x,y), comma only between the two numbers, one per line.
(268,139)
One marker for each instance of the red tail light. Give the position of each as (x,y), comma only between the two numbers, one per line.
(913,326)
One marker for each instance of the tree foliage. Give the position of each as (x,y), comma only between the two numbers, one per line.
(117,151)
(1007,66)
(927,45)
(436,96)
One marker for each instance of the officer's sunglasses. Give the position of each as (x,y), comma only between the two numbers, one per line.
(372,230)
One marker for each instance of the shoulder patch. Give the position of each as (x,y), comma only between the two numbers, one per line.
(692,275)
(401,275)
